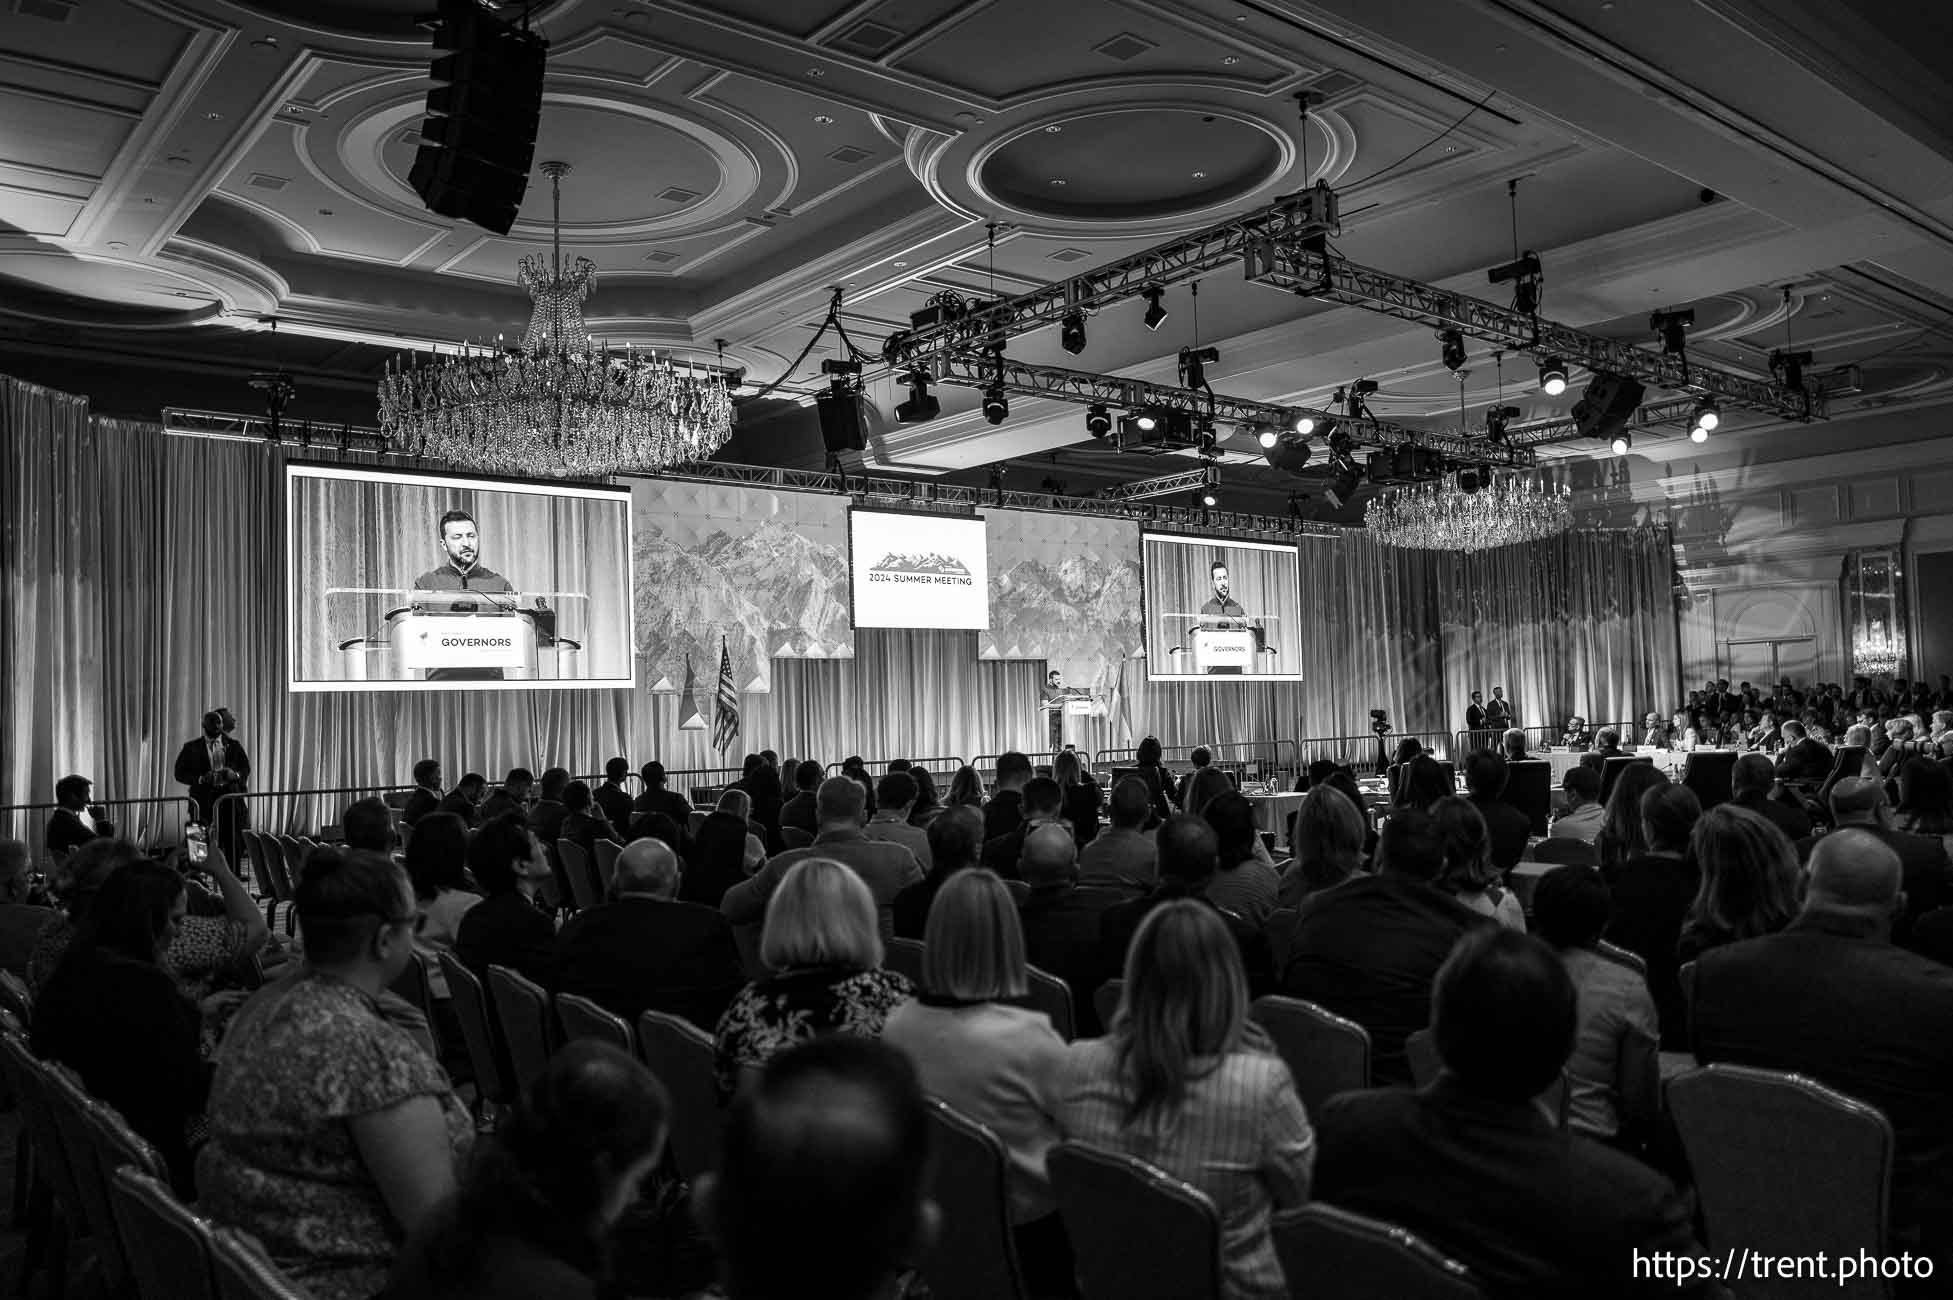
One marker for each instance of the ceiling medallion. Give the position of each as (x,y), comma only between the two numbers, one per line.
(1471,510)
(560,405)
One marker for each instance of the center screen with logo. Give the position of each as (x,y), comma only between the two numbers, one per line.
(919,570)
(1220,609)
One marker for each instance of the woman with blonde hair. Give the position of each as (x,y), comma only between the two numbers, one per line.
(1203,787)
(965,789)
(1326,835)
(1621,835)
(822,944)
(1186,1081)
(1466,872)
(1751,883)
(1080,795)
(992,1061)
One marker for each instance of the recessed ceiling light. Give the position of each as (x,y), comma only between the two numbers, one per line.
(1231,60)
(1055,180)
(1200,176)
(325,212)
(213,117)
(1054,130)
(816,72)
(898,264)
(116,243)
(823,119)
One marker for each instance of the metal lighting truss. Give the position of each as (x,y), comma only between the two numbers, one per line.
(1084,388)
(1560,428)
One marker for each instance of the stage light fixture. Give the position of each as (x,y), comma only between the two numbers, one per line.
(1267,437)
(1622,442)
(1354,407)
(1194,363)
(1071,332)
(1289,455)
(1204,439)
(1155,313)
(1707,416)
(1098,420)
(1672,328)
(1305,424)
(996,406)
(1496,419)
(1788,367)
(1451,349)
(921,405)
(1147,420)
(1210,488)
(1342,488)
(1552,376)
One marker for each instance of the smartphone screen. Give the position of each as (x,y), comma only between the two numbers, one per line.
(199,851)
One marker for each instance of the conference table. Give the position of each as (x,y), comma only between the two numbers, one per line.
(1563,760)
(1273,810)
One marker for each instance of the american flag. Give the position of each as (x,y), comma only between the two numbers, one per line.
(725,717)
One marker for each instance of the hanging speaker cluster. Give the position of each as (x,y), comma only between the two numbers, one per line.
(480,135)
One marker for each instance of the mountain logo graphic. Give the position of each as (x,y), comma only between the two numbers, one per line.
(928,562)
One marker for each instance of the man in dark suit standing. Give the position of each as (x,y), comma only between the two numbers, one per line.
(74,823)
(646,949)
(1831,997)
(1475,712)
(214,765)
(426,794)
(1471,1163)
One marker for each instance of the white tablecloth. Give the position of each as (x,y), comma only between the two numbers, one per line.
(1668,760)
(1272,812)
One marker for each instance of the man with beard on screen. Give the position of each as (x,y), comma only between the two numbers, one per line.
(462,573)
(1223,612)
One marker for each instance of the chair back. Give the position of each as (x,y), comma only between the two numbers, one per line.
(581,875)
(33,1086)
(522,1011)
(1325,1053)
(16,997)
(1850,761)
(605,852)
(1105,1000)
(1621,956)
(244,1272)
(1709,773)
(1331,1254)
(169,1245)
(1529,788)
(681,1055)
(974,1256)
(795,838)
(1052,996)
(904,957)
(582,1018)
(1280,930)
(1564,851)
(1611,770)
(414,987)
(1137,1233)
(278,869)
(67,1104)
(1825,1191)
(470,1003)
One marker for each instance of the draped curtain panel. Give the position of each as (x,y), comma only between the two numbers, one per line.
(144,581)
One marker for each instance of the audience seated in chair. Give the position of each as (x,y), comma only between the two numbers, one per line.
(73,823)
(1369,949)
(928,800)
(1802,759)
(1486,777)
(1042,803)
(955,842)
(1650,896)
(1750,881)
(1062,917)
(656,798)
(1621,834)
(1471,1163)
(506,928)
(333,1134)
(995,1062)
(1928,878)
(799,811)
(1467,873)
(21,921)
(1246,883)
(1189,857)
(611,798)
(726,850)
(895,796)
(1750,784)
(436,861)
(1326,838)
(1616,1011)
(1833,998)
(583,823)
(511,796)
(367,825)
(1003,811)
(113,1014)
(464,801)
(1186,1081)
(1583,814)
(821,1189)
(647,948)
(547,814)
(824,947)
(887,869)
(532,1215)
(1123,855)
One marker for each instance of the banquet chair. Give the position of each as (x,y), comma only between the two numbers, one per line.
(244,1272)
(795,838)
(581,875)
(62,1215)
(485,1058)
(1529,788)
(1105,1000)
(68,1102)
(681,1055)
(16,997)
(1137,1233)
(1610,772)
(1052,996)
(294,852)
(579,1017)
(1325,1053)
(1280,930)
(904,957)
(1564,851)
(169,1245)
(1850,761)
(522,1010)
(605,852)
(1332,1254)
(1826,1191)
(974,1256)
(1710,772)
(413,988)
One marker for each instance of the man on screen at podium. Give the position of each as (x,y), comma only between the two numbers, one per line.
(1224,613)
(464,572)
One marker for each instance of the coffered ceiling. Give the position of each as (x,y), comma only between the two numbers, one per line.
(173,173)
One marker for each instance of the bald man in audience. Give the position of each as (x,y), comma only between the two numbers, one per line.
(821,1188)
(1832,998)
(646,949)
(842,806)
(1123,854)
(1860,803)
(1062,918)
(1750,784)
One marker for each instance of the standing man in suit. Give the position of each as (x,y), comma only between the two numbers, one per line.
(1475,714)
(74,823)
(213,765)
(1498,710)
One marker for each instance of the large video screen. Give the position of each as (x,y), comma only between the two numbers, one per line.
(919,570)
(411,582)
(1220,609)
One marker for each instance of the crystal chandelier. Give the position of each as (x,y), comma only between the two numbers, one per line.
(1447,515)
(562,404)
(1876,652)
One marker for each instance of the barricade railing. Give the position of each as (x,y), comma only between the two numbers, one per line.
(290,821)
(1253,760)
(685,780)
(942,766)
(986,764)
(1538,737)
(27,822)
(1362,752)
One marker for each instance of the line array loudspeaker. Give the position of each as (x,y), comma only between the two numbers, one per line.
(479,138)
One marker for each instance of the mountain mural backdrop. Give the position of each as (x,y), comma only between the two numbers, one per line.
(1065,589)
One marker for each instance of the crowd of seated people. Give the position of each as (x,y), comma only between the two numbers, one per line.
(323,1117)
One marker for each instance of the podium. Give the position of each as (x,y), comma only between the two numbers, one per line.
(1074,719)
(495,639)
(1223,650)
